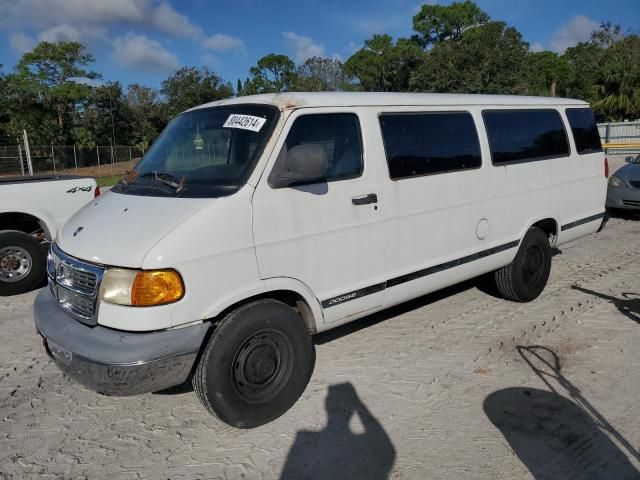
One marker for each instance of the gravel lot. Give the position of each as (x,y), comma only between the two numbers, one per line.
(455,385)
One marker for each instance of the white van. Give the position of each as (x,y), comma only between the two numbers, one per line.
(254,222)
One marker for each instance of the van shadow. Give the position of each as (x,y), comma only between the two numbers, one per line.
(556,437)
(336,451)
(629,306)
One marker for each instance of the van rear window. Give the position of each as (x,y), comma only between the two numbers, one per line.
(525,135)
(427,143)
(584,129)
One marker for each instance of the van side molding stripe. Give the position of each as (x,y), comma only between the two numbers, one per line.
(346,297)
(582,221)
(453,263)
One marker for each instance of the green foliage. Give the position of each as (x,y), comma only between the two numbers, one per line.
(273,73)
(549,74)
(191,86)
(322,75)
(52,75)
(437,23)
(149,114)
(107,118)
(617,85)
(490,58)
(382,66)
(584,63)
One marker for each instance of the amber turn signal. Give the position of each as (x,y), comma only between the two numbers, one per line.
(156,287)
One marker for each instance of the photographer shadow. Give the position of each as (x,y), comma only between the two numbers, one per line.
(556,437)
(336,451)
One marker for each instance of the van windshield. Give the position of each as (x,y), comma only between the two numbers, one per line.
(208,152)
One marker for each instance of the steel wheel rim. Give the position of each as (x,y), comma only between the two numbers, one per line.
(262,365)
(532,265)
(15,264)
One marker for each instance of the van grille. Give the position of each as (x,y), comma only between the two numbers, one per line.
(77,280)
(74,284)
(631,203)
(634,183)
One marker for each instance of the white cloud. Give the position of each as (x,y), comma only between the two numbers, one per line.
(302,47)
(69,33)
(64,33)
(223,42)
(88,20)
(48,13)
(209,60)
(578,29)
(143,53)
(167,20)
(536,47)
(21,43)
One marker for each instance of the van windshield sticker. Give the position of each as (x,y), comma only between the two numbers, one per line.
(246,122)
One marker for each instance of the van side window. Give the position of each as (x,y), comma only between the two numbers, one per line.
(584,129)
(525,135)
(427,143)
(338,134)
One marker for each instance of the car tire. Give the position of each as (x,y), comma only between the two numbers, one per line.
(256,364)
(22,262)
(524,279)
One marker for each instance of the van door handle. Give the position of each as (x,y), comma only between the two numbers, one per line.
(365,199)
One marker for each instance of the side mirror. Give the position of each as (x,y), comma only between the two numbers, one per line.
(303,163)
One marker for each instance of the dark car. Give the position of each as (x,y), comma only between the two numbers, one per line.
(624,186)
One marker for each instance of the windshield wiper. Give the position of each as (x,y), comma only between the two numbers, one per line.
(167,179)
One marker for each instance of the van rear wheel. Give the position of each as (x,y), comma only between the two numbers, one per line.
(256,364)
(524,279)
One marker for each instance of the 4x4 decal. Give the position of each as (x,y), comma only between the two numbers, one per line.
(80,189)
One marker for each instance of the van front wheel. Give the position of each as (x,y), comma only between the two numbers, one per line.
(256,365)
(524,279)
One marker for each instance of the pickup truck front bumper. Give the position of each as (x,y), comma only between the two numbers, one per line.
(114,362)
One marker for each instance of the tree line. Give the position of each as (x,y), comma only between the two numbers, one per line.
(55,95)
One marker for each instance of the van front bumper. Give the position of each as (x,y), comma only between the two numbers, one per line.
(115,362)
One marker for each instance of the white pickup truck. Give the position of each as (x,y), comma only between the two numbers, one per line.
(32,210)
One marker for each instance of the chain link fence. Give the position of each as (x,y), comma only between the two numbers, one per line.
(99,161)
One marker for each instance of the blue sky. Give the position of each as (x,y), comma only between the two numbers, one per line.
(145,40)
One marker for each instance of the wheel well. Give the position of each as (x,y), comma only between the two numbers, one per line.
(22,222)
(550,227)
(289,297)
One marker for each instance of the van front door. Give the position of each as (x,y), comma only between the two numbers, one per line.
(326,234)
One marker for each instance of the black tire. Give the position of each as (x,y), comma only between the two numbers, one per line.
(256,365)
(18,249)
(524,279)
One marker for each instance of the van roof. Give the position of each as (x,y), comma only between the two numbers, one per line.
(292,100)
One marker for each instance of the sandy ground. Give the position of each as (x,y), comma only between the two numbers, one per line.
(455,385)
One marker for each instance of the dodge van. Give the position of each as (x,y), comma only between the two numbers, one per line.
(255,222)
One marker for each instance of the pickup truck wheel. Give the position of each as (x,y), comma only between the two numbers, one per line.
(256,365)
(22,262)
(524,279)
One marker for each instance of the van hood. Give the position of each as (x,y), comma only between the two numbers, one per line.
(119,230)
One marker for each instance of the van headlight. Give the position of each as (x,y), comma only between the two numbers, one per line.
(617,181)
(141,288)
